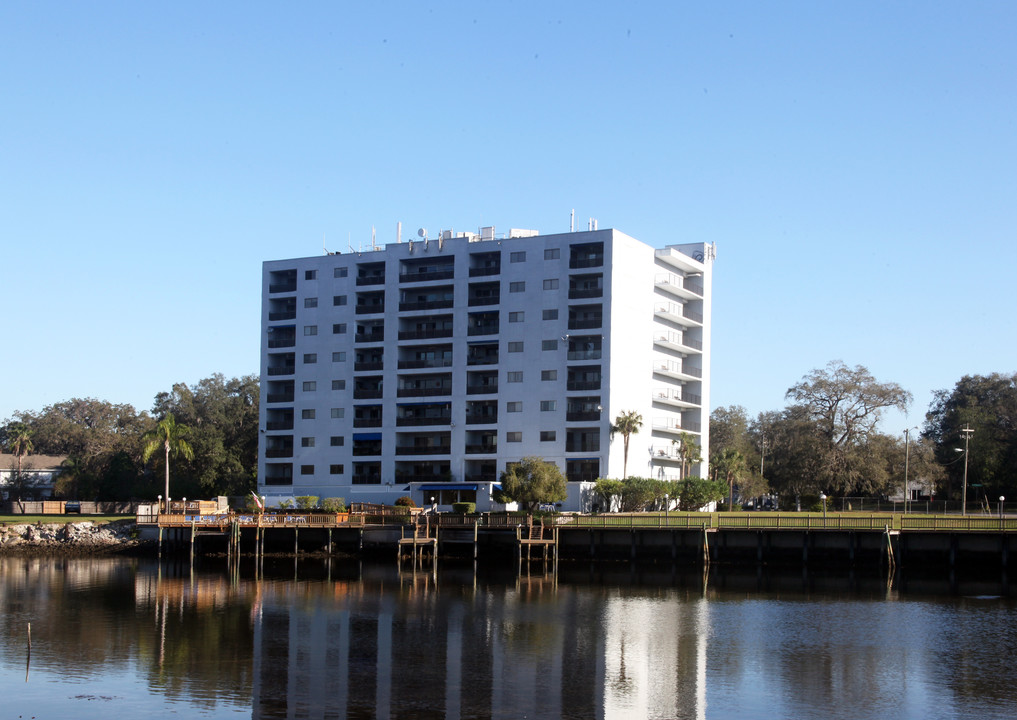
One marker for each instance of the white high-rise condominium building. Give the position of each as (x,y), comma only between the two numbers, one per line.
(424,368)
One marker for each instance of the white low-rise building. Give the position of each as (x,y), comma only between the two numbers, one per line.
(38,472)
(424,368)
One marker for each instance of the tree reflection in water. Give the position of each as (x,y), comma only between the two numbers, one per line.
(317,639)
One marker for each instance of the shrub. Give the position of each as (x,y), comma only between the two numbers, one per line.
(405,501)
(285,504)
(464,508)
(307,502)
(334,504)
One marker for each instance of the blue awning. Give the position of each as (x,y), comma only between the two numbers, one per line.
(448,486)
(366,436)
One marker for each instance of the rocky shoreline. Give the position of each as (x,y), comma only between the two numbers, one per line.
(78,538)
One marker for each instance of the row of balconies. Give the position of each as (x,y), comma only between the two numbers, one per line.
(476,471)
(580,378)
(585,255)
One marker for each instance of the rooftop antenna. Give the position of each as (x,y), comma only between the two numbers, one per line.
(374,245)
(572,221)
(399,233)
(422,232)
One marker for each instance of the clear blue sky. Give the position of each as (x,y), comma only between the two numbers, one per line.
(855,163)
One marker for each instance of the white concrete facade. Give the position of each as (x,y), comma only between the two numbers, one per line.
(424,368)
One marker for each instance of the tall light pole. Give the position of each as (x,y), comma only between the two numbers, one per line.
(966,431)
(907,448)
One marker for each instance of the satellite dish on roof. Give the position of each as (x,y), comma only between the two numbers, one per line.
(422,232)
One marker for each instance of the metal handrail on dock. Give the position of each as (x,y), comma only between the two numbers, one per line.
(790,521)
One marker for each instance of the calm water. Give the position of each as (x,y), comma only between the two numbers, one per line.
(126,638)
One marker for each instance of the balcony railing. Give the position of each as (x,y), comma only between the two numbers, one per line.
(279,452)
(280,397)
(675,338)
(582,385)
(403,421)
(280,425)
(482,419)
(586,323)
(582,415)
(372,308)
(482,477)
(483,330)
(675,426)
(481,449)
(482,360)
(481,389)
(283,287)
(582,446)
(425,334)
(284,370)
(362,450)
(675,281)
(481,271)
(283,342)
(423,392)
(430,363)
(368,393)
(370,337)
(585,355)
(427,276)
(585,293)
(426,305)
(491,300)
(371,280)
(287,315)
(586,261)
(419,478)
(674,368)
(369,365)
(366,422)
(427,450)
(677,396)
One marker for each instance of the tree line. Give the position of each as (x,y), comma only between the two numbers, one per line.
(827,440)
(115,452)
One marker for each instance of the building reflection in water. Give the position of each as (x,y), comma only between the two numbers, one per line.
(401,647)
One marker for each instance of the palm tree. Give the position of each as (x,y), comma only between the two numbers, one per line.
(732,464)
(627,423)
(171,438)
(19,440)
(688,450)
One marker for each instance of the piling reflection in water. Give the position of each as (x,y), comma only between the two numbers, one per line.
(319,639)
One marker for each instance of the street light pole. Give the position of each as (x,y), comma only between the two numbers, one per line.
(907,449)
(964,500)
